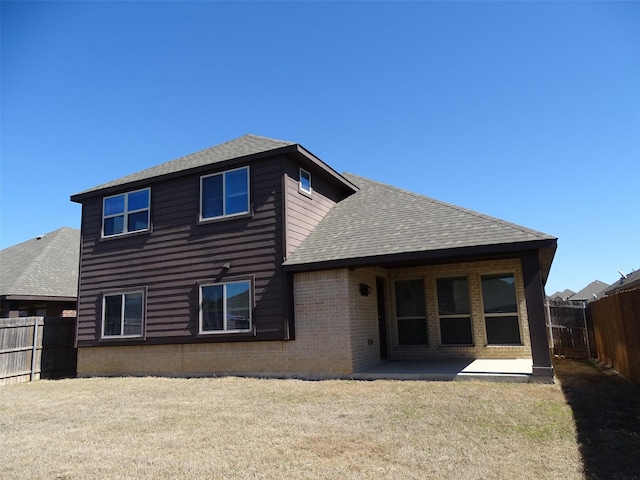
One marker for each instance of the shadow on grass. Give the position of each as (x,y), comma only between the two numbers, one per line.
(606,410)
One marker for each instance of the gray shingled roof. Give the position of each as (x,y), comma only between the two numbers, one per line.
(629,281)
(592,291)
(564,295)
(239,147)
(384,220)
(45,266)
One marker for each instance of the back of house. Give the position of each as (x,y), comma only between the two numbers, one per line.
(256,257)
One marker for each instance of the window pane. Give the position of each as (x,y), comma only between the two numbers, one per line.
(456,331)
(212,196)
(138,200)
(133,314)
(499,294)
(503,330)
(305,181)
(113,225)
(112,314)
(453,296)
(412,332)
(212,308)
(238,306)
(410,298)
(113,205)
(236,192)
(138,221)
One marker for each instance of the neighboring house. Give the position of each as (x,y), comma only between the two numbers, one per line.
(629,281)
(591,292)
(39,277)
(562,296)
(256,257)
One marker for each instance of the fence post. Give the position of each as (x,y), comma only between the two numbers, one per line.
(586,330)
(550,328)
(34,348)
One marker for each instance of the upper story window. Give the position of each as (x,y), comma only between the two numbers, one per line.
(224,194)
(126,213)
(305,181)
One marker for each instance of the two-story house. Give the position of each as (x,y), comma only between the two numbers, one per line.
(256,257)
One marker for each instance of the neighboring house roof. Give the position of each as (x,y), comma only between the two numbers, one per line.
(384,221)
(591,292)
(627,282)
(239,148)
(46,266)
(564,295)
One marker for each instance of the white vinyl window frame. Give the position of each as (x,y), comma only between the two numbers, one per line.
(304,182)
(127,211)
(224,195)
(229,324)
(123,296)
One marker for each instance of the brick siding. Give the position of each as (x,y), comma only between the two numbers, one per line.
(336,330)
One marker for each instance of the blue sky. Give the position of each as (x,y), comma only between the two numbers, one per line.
(526,111)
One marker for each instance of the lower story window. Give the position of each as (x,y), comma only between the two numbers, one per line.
(225,307)
(122,314)
(500,305)
(410,310)
(454,311)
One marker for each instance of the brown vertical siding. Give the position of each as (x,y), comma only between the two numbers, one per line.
(178,252)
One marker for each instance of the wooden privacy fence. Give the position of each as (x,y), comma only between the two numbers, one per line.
(568,329)
(34,347)
(616,325)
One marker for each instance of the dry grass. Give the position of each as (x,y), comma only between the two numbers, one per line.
(252,429)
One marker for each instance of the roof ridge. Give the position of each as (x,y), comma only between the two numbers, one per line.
(455,207)
(262,137)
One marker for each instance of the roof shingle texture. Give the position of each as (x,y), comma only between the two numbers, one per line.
(44,266)
(239,147)
(384,220)
(592,291)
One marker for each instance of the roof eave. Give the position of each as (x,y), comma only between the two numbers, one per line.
(295,149)
(457,254)
(97,191)
(333,173)
(38,298)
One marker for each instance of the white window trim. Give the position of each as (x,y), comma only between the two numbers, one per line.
(126,213)
(104,311)
(224,313)
(301,189)
(224,188)
(507,314)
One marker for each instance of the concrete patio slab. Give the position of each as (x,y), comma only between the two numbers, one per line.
(503,370)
